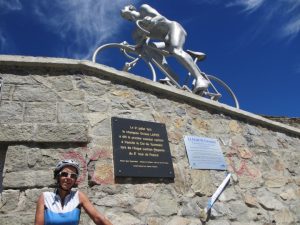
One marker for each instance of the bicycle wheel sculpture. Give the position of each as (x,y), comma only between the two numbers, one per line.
(123,56)
(221,92)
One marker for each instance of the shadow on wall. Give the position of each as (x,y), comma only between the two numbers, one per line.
(3,150)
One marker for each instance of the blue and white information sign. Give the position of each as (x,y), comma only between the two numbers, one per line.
(204,153)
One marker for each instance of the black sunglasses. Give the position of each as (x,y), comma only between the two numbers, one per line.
(70,175)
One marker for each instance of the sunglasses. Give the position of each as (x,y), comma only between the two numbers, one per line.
(69,175)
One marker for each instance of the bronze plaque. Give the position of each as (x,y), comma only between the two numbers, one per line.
(141,149)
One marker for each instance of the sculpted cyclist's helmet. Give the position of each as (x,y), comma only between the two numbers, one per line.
(128,12)
(64,163)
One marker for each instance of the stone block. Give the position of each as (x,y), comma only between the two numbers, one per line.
(102,173)
(13,218)
(31,197)
(95,118)
(61,133)
(71,112)
(9,200)
(36,112)
(6,91)
(97,105)
(19,79)
(22,157)
(102,129)
(163,203)
(11,112)
(16,132)
(28,179)
(34,94)
(16,158)
(61,83)
(92,87)
(72,95)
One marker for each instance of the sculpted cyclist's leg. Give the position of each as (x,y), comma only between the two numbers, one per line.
(176,39)
(161,60)
(186,60)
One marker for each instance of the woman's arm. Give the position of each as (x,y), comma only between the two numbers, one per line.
(39,214)
(93,213)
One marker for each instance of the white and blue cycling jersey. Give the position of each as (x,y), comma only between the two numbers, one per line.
(56,213)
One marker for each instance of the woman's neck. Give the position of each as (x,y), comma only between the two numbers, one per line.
(63,193)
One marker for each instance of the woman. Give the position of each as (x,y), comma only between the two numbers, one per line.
(62,207)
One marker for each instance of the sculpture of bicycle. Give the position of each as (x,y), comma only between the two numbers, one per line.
(155,54)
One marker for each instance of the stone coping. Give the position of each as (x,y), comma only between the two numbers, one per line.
(11,61)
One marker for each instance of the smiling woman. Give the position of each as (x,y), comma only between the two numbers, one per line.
(62,207)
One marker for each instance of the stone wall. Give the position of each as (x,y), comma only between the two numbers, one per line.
(56,108)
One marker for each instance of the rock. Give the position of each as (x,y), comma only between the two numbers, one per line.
(200,124)
(202,183)
(237,209)
(163,203)
(155,221)
(269,203)
(290,194)
(284,217)
(250,201)
(144,190)
(102,174)
(275,181)
(179,221)
(97,105)
(141,208)
(219,222)
(234,127)
(229,194)
(125,219)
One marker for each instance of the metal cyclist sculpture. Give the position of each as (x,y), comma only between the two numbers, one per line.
(170,32)
(151,25)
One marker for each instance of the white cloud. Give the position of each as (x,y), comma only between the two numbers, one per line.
(292,28)
(2,41)
(285,13)
(248,5)
(297,69)
(86,23)
(6,43)
(10,5)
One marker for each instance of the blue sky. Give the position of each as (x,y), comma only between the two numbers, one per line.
(253,45)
